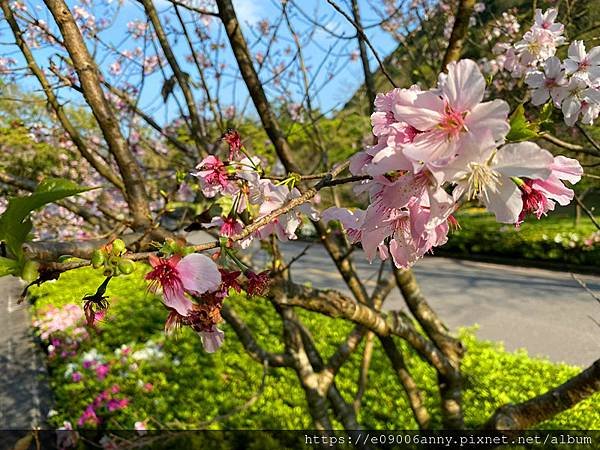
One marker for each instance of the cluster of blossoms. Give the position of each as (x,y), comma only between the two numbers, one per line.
(437,148)
(193,286)
(194,277)
(241,179)
(573,84)
(194,289)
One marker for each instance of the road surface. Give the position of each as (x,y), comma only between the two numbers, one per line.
(546,312)
(24,393)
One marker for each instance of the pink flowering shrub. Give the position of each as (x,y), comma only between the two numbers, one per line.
(53,323)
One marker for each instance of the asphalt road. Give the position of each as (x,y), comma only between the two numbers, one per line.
(545,312)
(548,313)
(24,393)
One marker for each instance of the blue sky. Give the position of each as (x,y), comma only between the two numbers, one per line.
(348,74)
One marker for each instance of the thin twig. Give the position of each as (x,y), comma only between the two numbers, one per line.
(584,285)
(366,39)
(589,213)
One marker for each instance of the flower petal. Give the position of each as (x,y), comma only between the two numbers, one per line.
(504,201)
(489,117)
(426,112)
(199,274)
(523,159)
(464,86)
(567,169)
(212,340)
(176,299)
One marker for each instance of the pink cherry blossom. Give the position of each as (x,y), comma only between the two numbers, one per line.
(545,20)
(213,176)
(452,114)
(228,226)
(547,84)
(552,188)
(581,63)
(534,202)
(579,97)
(351,220)
(285,225)
(489,175)
(194,274)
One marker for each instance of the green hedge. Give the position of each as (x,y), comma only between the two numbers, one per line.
(190,387)
(554,238)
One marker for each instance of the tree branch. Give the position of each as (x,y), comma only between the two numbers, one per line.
(135,190)
(252,347)
(524,415)
(180,76)
(255,88)
(459,31)
(335,304)
(97,163)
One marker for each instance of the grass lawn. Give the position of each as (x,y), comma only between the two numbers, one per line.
(128,372)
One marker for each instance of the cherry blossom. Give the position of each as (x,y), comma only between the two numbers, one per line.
(540,195)
(489,175)
(578,97)
(451,115)
(285,225)
(203,318)
(547,84)
(582,64)
(194,274)
(545,20)
(213,176)
(572,84)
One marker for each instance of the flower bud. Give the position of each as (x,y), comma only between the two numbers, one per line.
(118,247)
(126,266)
(30,271)
(97,259)
(113,261)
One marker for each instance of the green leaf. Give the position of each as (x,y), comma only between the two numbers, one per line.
(546,112)
(545,122)
(226,205)
(15,224)
(520,128)
(8,266)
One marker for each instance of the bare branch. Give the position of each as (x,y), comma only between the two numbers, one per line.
(135,190)
(97,163)
(366,40)
(459,31)
(245,336)
(182,79)
(524,415)
(587,211)
(255,88)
